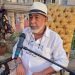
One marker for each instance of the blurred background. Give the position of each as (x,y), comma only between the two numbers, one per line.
(14,18)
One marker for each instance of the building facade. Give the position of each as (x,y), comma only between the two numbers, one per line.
(17,9)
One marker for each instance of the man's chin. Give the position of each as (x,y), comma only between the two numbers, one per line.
(35,31)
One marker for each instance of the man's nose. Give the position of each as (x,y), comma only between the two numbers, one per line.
(33,20)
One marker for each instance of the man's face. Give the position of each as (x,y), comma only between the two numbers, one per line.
(37,22)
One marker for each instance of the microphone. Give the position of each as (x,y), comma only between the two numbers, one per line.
(20,45)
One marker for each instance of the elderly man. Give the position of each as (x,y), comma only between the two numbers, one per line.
(42,40)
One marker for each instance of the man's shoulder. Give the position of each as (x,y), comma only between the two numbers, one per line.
(54,37)
(53,34)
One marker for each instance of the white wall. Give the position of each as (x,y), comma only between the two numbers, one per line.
(61,2)
(71,2)
(64,2)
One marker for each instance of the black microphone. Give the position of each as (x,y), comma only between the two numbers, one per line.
(20,45)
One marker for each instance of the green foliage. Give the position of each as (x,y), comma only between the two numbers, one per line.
(14,36)
(73,42)
(2,43)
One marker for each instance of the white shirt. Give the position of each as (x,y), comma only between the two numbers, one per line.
(49,46)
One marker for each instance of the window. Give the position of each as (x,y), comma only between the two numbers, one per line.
(21,1)
(28,1)
(44,1)
(36,0)
(53,1)
(63,2)
(17,19)
(12,1)
(9,0)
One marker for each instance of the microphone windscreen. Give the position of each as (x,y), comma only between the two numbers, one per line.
(23,35)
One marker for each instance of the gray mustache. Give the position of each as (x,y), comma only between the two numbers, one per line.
(33,27)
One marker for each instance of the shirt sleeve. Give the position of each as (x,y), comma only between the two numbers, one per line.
(59,54)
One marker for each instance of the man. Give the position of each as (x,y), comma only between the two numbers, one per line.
(42,40)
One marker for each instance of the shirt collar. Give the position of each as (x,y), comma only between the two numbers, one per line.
(45,35)
(47,32)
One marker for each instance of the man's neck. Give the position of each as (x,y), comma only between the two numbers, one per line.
(37,36)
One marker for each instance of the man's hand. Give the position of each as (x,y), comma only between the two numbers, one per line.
(20,70)
(47,71)
(38,73)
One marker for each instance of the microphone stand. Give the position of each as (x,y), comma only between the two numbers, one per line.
(73,73)
(5,70)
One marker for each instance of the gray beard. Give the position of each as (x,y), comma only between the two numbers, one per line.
(37,30)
